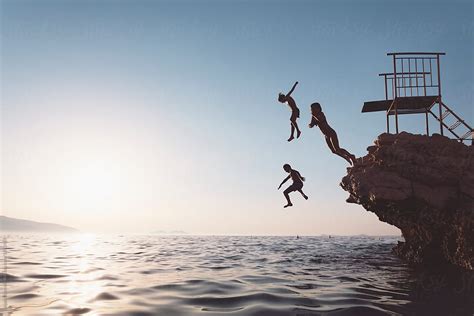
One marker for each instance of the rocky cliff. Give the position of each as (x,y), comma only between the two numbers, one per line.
(423,185)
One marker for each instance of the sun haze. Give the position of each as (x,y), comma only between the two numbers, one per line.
(137,116)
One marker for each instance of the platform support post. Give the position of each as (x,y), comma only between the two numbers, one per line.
(427,127)
(388,124)
(396,92)
(439,97)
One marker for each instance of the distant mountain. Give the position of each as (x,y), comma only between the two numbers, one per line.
(169,232)
(9,224)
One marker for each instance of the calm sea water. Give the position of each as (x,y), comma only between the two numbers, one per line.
(194,275)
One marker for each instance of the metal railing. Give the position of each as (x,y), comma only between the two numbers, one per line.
(414,74)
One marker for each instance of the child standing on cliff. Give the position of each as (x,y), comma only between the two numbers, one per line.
(295,112)
(296,186)
(319,119)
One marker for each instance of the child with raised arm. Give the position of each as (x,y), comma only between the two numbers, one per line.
(319,119)
(295,112)
(296,186)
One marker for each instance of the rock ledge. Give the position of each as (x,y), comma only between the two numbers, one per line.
(423,185)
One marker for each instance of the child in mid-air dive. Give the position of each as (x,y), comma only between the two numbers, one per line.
(318,118)
(295,112)
(296,186)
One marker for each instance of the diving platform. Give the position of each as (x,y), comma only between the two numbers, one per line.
(405,105)
(414,87)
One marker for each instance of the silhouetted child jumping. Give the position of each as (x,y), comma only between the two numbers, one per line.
(296,186)
(295,112)
(319,119)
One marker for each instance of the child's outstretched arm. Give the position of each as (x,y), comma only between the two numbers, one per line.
(292,89)
(313,122)
(286,179)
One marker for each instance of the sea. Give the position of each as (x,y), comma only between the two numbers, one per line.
(87,274)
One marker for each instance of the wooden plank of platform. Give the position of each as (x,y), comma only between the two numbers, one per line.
(405,105)
(376,106)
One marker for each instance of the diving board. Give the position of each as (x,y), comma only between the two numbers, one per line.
(414,87)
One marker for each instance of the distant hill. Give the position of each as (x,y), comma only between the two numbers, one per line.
(9,224)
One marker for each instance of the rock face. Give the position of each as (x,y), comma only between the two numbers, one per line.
(423,185)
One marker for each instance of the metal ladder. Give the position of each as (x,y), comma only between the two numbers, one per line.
(455,128)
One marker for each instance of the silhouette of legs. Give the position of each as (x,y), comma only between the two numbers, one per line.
(294,125)
(333,144)
(298,132)
(292,188)
(287,196)
(292,132)
(302,193)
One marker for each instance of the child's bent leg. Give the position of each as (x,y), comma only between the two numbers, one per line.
(302,193)
(287,196)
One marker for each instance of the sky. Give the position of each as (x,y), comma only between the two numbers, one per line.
(137,116)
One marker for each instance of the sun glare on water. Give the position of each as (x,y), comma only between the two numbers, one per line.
(81,283)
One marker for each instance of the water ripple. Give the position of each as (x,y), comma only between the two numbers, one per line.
(239,276)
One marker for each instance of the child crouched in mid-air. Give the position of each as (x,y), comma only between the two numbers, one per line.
(296,186)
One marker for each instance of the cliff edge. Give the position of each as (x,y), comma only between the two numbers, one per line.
(423,185)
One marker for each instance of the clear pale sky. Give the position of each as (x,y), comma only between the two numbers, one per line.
(135,116)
